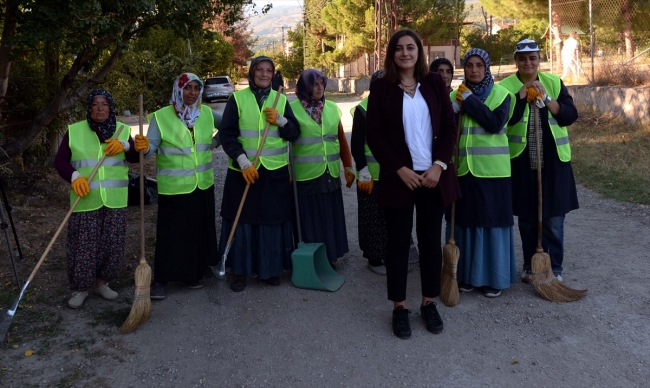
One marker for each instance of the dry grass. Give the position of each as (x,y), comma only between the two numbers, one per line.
(617,72)
(611,156)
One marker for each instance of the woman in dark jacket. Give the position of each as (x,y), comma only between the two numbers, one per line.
(411,132)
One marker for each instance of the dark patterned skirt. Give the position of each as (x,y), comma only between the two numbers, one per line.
(322,220)
(264,250)
(186,236)
(372,225)
(95,246)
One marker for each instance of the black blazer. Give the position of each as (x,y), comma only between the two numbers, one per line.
(386,139)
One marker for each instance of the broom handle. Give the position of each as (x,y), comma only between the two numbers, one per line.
(74,205)
(141,162)
(453,205)
(539,177)
(257,157)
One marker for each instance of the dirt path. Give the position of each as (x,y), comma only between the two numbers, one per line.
(284,336)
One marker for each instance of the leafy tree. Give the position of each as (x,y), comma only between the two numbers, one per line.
(81,42)
(293,64)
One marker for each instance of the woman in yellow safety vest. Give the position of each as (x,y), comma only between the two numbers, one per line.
(484,222)
(263,241)
(559,196)
(317,155)
(97,227)
(181,135)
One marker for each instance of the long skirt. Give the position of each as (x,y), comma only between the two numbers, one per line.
(322,220)
(264,250)
(186,236)
(372,226)
(487,256)
(95,246)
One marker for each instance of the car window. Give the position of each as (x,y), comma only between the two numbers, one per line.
(216,81)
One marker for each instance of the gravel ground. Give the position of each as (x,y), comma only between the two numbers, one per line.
(285,336)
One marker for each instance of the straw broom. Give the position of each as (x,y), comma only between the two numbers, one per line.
(449,294)
(542,278)
(141,307)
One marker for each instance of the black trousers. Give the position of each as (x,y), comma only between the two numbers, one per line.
(428,224)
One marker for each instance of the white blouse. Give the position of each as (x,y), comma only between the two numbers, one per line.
(418,130)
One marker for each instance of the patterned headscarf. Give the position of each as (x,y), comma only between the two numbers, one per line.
(305,89)
(107,128)
(486,83)
(186,113)
(260,93)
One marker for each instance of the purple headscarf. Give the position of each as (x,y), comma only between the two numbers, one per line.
(305,89)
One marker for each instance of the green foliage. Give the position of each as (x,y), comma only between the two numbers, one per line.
(433,20)
(354,22)
(292,65)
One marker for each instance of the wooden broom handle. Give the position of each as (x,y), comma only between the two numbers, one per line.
(74,205)
(257,157)
(456,151)
(141,162)
(539,177)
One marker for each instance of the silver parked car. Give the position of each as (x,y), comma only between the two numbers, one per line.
(216,88)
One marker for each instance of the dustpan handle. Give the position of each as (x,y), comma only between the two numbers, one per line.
(295,191)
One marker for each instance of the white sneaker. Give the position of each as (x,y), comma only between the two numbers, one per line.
(106,292)
(558,277)
(77,299)
(379,270)
(526,276)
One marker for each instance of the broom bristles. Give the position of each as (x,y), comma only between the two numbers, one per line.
(141,307)
(547,285)
(449,294)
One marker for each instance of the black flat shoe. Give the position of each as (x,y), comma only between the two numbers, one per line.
(431,317)
(401,325)
(238,284)
(272,281)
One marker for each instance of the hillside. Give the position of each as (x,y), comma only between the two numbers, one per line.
(278,16)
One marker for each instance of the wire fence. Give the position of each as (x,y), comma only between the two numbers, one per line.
(611,40)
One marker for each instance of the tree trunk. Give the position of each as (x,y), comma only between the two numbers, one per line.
(627,25)
(8,31)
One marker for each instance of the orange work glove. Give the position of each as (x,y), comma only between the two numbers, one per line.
(80,186)
(271,115)
(250,175)
(365,187)
(532,94)
(349,176)
(459,94)
(114,147)
(141,143)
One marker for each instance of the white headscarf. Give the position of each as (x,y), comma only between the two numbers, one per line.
(186,113)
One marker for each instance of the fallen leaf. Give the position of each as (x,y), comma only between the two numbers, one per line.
(29,353)
(76,350)
(305,298)
(515,362)
(16,346)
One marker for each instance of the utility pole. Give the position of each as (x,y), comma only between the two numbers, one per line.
(284,48)
(377,64)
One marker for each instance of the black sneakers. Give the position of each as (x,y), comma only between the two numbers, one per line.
(401,325)
(238,284)
(272,281)
(431,318)
(157,291)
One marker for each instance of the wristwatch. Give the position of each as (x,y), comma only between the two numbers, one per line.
(547,99)
(443,165)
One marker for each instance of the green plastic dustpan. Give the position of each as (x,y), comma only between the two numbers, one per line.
(311,268)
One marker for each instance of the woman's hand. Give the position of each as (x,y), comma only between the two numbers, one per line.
(431,176)
(410,178)
(534,84)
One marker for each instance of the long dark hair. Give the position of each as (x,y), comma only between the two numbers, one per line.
(391,71)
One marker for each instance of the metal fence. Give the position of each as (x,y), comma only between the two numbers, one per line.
(609,33)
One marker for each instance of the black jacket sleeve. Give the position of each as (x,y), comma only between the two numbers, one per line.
(358,139)
(492,121)
(291,130)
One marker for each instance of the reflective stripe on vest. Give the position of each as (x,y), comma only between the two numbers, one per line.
(252,121)
(109,186)
(371,162)
(517,134)
(482,153)
(182,163)
(318,145)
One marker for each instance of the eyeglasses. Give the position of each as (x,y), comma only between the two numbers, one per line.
(530,45)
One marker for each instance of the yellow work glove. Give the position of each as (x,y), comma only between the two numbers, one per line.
(141,143)
(349,177)
(80,186)
(532,94)
(274,118)
(114,147)
(250,175)
(459,94)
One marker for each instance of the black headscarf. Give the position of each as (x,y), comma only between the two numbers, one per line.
(439,61)
(260,93)
(305,90)
(107,128)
